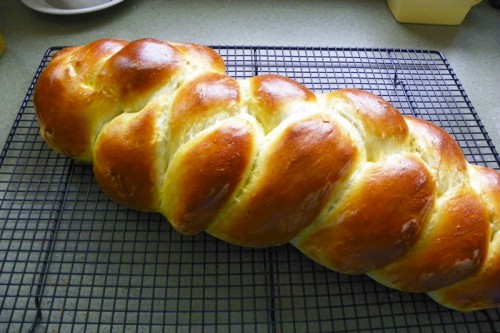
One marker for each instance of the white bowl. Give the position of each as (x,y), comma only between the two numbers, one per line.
(44,7)
(75,4)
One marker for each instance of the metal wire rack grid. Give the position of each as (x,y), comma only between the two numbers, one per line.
(73,261)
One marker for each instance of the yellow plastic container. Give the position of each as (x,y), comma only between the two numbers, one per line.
(446,12)
(2,45)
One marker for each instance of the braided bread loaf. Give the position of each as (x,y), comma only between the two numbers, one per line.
(343,176)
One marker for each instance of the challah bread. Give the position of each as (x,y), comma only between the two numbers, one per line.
(343,176)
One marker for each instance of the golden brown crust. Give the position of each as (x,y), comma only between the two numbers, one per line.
(204,177)
(281,201)
(452,249)
(377,221)
(125,161)
(208,93)
(258,162)
(272,98)
(66,106)
(481,290)
(201,56)
(385,121)
(437,149)
(138,70)
(209,96)
(455,243)
(86,86)
(271,91)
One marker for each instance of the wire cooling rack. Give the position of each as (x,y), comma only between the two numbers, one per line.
(72,261)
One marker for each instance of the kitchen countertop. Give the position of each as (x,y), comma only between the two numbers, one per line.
(472,48)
